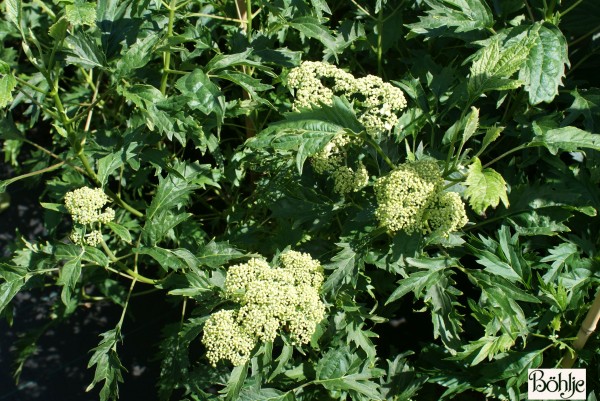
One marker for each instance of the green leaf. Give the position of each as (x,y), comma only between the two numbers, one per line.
(235,382)
(14,12)
(495,64)
(417,282)
(216,254)
(586,103)
(81,13)
(223,61)
(345,269)
(265,394)
(176,259)
(138,55)
(559,256)
(485,348)
(471,125)
(108,365)
(84,51)
(14,279)
(451,17)
(312,28)
(70,272)
(544,68)
(202,93)
(7,85)
(566,138)
(175,189)
(58,30)
(309,131)
(159,226)
(121,231)
(491,135)
(485,187)
(249,84)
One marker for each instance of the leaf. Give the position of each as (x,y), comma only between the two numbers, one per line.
(164,221)
(176,259)
(14,279)
(544,68)
(312,28)
(216,254)
(174,190)
(14,12)
(265,394)
(235,382)
(223,61)
(249,84)
(84,51)
(452,17)
(70,272)
(586,103)
(138,55)
(309,131)
(471,125)
(485,187)
(345,269)
(81,13)
(121,231)
(7,85)
(58,30)
(491,135)
(108,365)
(494,64)
(202,93)
(417,282)
(559,256)
(485,347)
(566,138)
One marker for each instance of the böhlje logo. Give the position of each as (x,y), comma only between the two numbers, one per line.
(556,384)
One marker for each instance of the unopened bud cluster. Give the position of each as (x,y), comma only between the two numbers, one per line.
(332,160)
(271,301)
(411,198)
(375,102)
(85,205)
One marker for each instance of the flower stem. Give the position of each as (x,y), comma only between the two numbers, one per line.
(167,54)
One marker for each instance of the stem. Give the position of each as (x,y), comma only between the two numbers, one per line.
(583,37)
(167,54)
(380,42)
(568,10)
(202,15)
(31,174)
(520,147)
(587,328)
(27,84)
(135,275)
(120,324)
(248,19)
(379,151)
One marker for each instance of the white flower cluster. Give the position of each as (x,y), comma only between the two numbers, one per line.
(85,207)
(411,198)
(271,300)
(376,102)
(332,160)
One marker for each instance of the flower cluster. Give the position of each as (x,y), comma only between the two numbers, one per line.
(85,207)
(411,198)
(271,300)
(332,160)
(376,102)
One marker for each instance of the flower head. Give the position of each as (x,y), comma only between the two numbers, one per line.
(85,207)
(272,300)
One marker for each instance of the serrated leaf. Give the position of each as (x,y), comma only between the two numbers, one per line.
(586,103)
(235,382)
(81,13)
(121,231)
(108,365)
(491,135)
(311,27)
(157,228)
(84,51)
(138,55)
(14,279)
(249,84)
(453,17)
(203,94)
(265,394)
(58,30)
(71,270)
(216,254)
(566,138)
(345,269)
(559,255)
(471,125)
(544,68)
(223,61)
(495,64)
(14,11)
(176,259)
(7,85)
(485,187)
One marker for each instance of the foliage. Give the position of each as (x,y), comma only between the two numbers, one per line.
(189,119)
